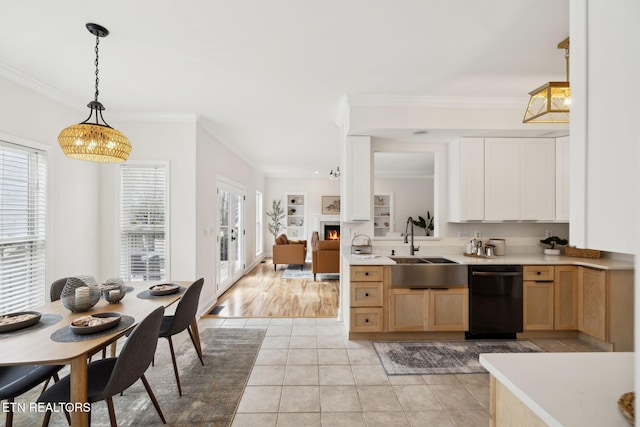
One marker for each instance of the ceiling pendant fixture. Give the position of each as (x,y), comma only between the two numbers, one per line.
(550,103)
(94,139)
(336,174)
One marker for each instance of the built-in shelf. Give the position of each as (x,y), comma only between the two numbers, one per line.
(382,214)
(296,215)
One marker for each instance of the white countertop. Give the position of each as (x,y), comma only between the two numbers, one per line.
(567,389)
(601,263)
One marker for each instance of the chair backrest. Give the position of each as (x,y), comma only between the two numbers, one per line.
(136,354)
(56,288)
(186,309)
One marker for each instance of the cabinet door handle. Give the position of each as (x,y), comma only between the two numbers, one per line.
(367,294)
(366,320)
(366,273)
(539,273)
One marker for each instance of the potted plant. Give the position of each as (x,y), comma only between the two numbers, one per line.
(276,215)
(426,224)
(551,242)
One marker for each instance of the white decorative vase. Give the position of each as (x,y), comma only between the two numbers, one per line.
(552,251)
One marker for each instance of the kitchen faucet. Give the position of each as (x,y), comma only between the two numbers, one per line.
(412,249)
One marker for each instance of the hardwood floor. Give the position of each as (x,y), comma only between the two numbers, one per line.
(263,293)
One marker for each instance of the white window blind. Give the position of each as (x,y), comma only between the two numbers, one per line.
(22,227)
(143,208)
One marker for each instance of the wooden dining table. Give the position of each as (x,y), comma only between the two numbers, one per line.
(26,347)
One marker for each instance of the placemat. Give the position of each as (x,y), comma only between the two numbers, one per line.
(45,321)
(65,334)
(146,294)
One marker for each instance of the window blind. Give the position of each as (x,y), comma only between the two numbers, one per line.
(22,227)
(143,222)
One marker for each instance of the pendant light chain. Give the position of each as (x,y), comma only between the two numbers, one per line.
(97,57)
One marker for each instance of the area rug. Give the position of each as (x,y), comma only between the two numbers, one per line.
(210,393)
(443,357)
(294,272)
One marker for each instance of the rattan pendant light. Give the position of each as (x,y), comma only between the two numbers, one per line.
(550,103)
(94,140)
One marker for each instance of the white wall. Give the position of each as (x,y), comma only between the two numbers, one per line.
(315,188)
(214,160)
(73,211)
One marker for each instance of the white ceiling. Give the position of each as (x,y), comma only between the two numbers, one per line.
(267,77)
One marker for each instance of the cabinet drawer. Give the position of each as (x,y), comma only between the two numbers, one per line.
(538,272)
(366,319)
(366,294)
(366,273)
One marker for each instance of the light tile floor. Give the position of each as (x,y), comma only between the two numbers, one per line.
(308,373)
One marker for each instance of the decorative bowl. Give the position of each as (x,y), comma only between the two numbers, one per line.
(113,293)
(164,289)
(95,323)
(19,320)
(78,296)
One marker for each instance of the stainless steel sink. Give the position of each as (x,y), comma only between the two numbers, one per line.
(427,272)
(409,260)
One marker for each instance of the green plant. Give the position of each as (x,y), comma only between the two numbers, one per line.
(427,224)
(276,215)
(553,241)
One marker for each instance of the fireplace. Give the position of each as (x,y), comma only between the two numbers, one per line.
(331,232)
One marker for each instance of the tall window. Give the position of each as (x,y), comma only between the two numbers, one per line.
(143,222)
(22,227)
(258,222)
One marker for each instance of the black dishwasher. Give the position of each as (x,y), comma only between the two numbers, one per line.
(495,301)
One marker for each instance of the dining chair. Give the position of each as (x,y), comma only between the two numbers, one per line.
(108,377)
(17,380)
(56,288)
(183,316)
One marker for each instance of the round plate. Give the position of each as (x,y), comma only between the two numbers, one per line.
(84,330)
(167,289)
(21,324)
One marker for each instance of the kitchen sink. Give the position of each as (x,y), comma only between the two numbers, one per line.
(427,272)
(409,260)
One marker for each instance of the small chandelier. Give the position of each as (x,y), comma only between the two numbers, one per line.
(336,174)
(95,140)
(550,103)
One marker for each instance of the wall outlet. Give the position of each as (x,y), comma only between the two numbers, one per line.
(548,233)
(463,235)
(477,235)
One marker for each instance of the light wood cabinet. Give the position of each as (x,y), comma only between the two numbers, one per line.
(367,298)
(592,303)
(449,309)
(429,309)
(605,306)
(565,297)
(550,297)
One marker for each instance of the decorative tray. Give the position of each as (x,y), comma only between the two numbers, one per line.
(164,289)
(19,320)
(95,323)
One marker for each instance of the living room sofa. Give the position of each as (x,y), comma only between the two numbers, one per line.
(325,257)
(287,251)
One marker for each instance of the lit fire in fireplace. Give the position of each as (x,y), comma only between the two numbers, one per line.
(333,235)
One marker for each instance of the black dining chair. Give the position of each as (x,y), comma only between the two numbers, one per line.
(17,380)
(56,288)
(183,316)
(108,377)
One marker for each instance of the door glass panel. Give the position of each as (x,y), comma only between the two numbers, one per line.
(224,234)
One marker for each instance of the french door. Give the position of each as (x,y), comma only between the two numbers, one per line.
(230,236)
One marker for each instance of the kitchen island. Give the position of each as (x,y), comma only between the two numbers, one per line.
(558,389)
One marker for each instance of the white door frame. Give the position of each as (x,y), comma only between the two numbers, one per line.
(235,238)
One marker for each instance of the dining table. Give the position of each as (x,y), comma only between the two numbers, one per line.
(35,345)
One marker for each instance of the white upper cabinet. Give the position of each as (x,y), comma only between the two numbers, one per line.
(506,179)
(502,179)
(356,179)
(466,180)
(538,179)
(562,179)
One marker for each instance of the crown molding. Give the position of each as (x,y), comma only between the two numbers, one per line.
(433,101)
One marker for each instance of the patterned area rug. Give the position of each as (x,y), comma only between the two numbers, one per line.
(294,272)
(443,357)
(210,393)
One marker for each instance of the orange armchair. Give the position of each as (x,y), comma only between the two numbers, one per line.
(325,257)
(287,251)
